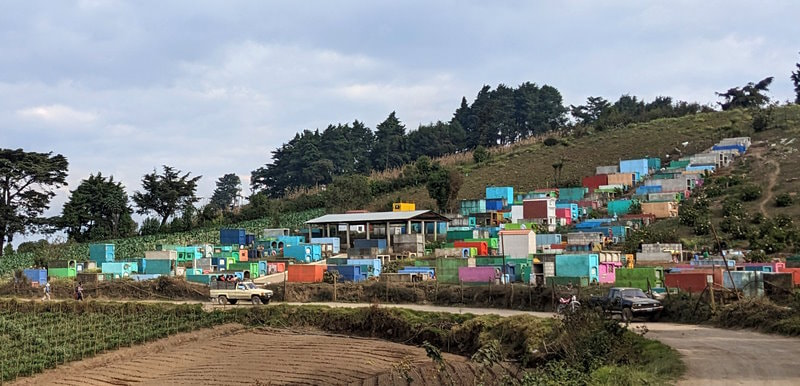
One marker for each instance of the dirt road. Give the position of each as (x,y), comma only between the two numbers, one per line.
(728,357)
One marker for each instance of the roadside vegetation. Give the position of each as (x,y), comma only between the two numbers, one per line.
(581,349)
(759,314)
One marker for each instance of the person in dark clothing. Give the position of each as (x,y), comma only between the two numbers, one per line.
(79,292)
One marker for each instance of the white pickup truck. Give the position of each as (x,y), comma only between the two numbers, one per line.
(232,292)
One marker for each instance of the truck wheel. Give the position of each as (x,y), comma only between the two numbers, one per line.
(627,315)
(233,301)
(255,300)
(222,299)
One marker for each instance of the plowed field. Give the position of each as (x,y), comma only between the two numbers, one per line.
(230,354)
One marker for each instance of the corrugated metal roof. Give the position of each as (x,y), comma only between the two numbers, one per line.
(378,217)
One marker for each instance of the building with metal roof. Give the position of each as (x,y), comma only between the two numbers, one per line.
(380,219)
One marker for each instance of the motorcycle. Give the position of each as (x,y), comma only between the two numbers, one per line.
(569,304)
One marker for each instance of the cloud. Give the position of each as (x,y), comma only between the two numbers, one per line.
(58,114)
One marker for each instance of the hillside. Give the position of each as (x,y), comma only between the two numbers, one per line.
(772,163)
(530,167)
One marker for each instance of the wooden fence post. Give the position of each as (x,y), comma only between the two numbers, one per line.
(511,305)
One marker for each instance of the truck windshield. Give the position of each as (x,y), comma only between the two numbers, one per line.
(250,285)
(633,293)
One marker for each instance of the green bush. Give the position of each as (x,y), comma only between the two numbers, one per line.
(480,154)
(757,257)
(750,192)
(550,141)
(762,120)
(784,200)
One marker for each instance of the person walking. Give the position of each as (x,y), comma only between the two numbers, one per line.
(46,291)
(79,292)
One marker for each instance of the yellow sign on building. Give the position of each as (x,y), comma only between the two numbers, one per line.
(403,206)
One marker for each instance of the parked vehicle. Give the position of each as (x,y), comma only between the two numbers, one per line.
(232,292)
(629,303)
(569,304)
(659,293)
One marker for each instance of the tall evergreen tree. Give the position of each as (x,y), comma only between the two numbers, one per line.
(166,193)
(435,140)
(591,112)
(751,95)
(97,210)
(361,140)
(27,184)
(228,189)
(390,144)
(501,120)
(462,116)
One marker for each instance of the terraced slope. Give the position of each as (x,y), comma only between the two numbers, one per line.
(232,354)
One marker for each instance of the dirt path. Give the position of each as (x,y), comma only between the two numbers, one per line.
(232,354)
(773,179)
(729,357)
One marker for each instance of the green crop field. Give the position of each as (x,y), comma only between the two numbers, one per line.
(35,337)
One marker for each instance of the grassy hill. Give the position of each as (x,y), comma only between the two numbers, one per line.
(772,164)
(529,167)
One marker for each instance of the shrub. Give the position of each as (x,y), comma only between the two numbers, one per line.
(757,257)
(702,227)
(750,192)
(550,141)
(762,119)
(480,154)
(784,200)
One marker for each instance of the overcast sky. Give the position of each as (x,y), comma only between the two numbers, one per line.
(212,87)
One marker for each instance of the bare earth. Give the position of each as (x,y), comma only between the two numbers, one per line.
(731,357)
(231,354)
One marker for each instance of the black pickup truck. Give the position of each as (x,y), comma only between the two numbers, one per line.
(629,303)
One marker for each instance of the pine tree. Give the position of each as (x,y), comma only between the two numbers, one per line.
(390,144)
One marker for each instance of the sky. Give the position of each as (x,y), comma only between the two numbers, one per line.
(213,87)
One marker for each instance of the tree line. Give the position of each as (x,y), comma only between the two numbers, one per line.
(497,116)
(339,157)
